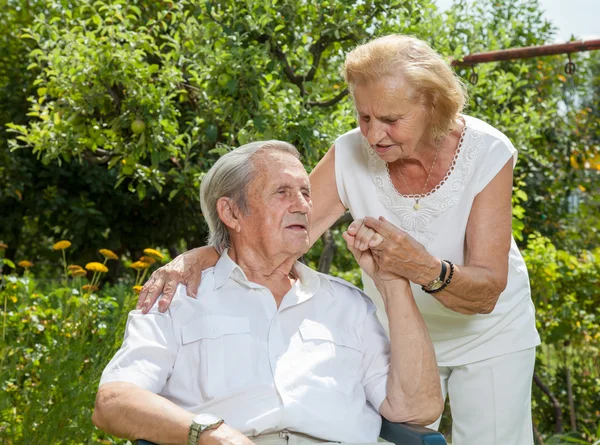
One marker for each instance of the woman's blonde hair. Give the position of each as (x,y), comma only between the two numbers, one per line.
(438,89)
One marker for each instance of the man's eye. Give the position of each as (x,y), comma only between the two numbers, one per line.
(365,118)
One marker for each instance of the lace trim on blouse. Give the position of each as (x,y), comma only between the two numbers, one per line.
(442,197)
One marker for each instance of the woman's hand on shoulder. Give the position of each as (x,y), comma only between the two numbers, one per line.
(185,269)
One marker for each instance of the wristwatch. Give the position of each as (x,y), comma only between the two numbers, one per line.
(439,281)
(201,423)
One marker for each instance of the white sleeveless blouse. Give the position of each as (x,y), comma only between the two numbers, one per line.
(365,188)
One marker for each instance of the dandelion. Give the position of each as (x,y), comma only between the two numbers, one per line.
(137,289)
(139,265)
(148,259)
(108,254)
(96,267)
(62,245)
(78,273)
(25,264)
(72,267)
(154,254)
(89,287)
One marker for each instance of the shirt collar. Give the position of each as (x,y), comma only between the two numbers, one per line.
(309,281)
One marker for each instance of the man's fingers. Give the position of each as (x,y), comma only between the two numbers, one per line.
(382,226)
(349,242)
(354,226)
(376,240)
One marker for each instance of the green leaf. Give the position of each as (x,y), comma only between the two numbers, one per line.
(9,263)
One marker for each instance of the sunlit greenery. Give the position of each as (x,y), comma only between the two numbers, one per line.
(112,111)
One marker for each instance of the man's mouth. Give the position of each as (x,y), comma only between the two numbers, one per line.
(297,227)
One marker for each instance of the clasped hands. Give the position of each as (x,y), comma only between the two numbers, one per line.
(386,252)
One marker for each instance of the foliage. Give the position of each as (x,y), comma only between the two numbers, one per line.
(56,340)
(121,107)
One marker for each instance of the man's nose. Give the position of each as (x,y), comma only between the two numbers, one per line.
(300,204)
(375,132)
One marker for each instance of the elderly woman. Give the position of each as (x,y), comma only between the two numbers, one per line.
(430,191)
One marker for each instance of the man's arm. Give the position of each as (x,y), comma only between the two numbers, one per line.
(126,410)
(414,393)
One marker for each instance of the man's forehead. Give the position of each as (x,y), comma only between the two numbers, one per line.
(278,165)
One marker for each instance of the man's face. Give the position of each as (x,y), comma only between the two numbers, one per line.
(280,206)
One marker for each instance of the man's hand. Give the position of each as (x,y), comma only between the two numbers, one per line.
(223,435)
(367,261)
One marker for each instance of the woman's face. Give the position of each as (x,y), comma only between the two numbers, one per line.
(390,119)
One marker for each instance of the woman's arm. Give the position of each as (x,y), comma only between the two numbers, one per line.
(327,206)
(476,285)
(187,268)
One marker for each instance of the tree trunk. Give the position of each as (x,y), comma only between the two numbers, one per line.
(328,252)
(570,398)
(558,428)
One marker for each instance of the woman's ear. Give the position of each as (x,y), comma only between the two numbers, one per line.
(229,213)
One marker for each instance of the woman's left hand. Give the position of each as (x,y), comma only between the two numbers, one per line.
(400,254)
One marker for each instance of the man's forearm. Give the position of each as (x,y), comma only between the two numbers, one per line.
(413,388)
(128,411)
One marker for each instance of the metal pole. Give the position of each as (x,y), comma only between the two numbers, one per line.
(528,52)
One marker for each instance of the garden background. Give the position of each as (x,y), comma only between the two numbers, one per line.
(111,113)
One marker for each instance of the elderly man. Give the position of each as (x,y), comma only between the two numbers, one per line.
(271,351)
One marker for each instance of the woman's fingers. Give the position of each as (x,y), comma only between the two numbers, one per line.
(151,291)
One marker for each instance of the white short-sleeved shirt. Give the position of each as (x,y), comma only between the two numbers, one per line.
(365,188)
(317,365)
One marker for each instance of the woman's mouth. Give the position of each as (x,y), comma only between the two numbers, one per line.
(381,148)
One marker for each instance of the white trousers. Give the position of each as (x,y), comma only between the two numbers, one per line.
(490,400)
(289,438)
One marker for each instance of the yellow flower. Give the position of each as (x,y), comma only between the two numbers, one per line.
(13,298)
(78,273)
(3,246)
(139,265)
(72,267)
(96,267)
(25,264)
(137,289)
(62,245)
(148,259)
(154,254)
(108,254)
(89,287)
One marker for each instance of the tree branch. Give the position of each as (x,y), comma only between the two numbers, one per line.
(98,156)
(555,403)
(330,102)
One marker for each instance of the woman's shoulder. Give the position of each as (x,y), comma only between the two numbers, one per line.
(352,139)
(486,131)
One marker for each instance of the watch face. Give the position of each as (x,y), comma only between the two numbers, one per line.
(435,284)
(206,419)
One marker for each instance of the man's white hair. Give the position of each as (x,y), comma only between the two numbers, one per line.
(230,177)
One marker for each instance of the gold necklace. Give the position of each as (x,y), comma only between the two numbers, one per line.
(416,205)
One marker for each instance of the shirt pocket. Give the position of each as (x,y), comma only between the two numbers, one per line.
(222,351)
(334,355)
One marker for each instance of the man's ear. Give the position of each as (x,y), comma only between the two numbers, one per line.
(229,213)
